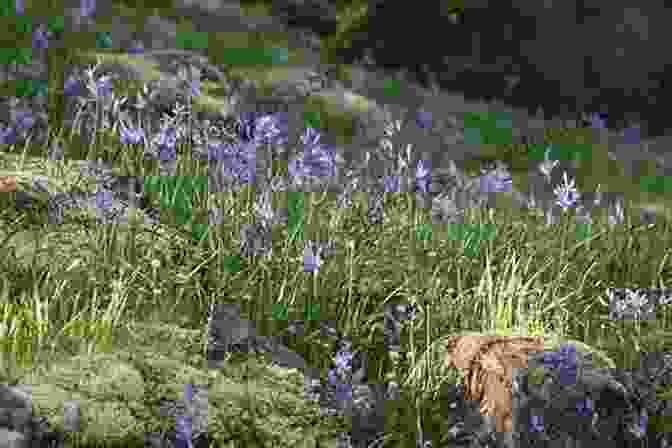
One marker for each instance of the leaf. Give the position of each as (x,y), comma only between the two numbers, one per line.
(280,311)
(56,24)
(199,231)
(232,264)
(192,40)
(103,40)
(424,232)
(312,310)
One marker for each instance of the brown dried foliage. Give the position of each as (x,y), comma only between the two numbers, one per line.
(487,363)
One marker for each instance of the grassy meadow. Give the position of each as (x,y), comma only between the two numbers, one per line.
(77,286)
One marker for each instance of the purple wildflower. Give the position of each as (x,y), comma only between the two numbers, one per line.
(72,87)
(8,135)
(312,261)
(537,423)
(423,119)
(40,38)
(632,135)
(103,199)
(87,8)
(392,184)
(495,183)
(131,135)
(422,176)
(103,87)
(24,120)
(195,87)
(567,194)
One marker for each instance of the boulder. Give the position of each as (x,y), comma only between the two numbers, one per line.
(319,16)
(494,41)
(75,397)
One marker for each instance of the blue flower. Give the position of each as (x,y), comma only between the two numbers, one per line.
(321,161)
(40,38)
(343,392)
(643,422)
(103,87)
(567,194)
(310,138)
(87,8)
(537,423)
(24,120)
(8,135)
(184,422)
(597,122)
(495,183)
(73,87)
(317,160)
(392,184)
(166,139)
(343,360)
(565,362)
(263,128)
(271,129)
(20,8)
(183,430)
(131,135)
(312,261)
(103,199)
(585,408)
(238,161)
(423,119)
(136,48)
(632,135)
(195,87)
(423,176)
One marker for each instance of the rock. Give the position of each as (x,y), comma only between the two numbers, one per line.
(145,406)
(485,55)
(213,16)
(317,15)
(159,33)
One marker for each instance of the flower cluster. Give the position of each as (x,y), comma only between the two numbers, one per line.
(563,361)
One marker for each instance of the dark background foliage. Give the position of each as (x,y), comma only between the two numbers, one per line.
(572,56)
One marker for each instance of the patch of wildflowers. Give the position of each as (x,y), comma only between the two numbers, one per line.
(495,182)
(271,129)
(564,361)
(131,135)
(184,421)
